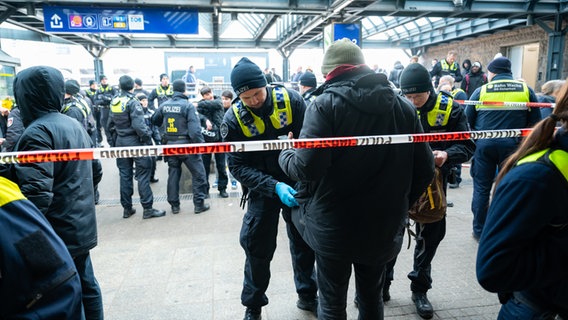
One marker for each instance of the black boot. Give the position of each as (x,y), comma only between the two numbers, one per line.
(153,213)
(386,293)
(223,193)
(252,314)
(201,208)
(423,305)
(127,212)
(308,304)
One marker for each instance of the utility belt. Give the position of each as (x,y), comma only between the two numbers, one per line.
(169,138)
(542,312)
(104,106)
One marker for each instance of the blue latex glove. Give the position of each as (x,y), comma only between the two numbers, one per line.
(286,194)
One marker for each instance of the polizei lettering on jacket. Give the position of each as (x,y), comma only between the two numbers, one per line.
(130,153)
(171,109)
(325,143)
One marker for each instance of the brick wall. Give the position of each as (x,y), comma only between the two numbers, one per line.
(484,48)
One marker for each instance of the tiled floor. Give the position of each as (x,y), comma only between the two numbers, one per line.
(190,266)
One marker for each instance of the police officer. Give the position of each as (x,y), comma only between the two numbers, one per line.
(102,100)
(182,127)
(491,153)
(266,113)
(447,66)
(308,84)
(157,139)
(128,128)
(78,108)
(438,113)
(162,92)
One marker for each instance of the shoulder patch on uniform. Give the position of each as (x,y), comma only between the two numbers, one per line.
(10,122)
(224,130)
(139,108)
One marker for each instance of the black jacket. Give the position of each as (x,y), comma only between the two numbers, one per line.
(128,127)
(354,200)
(62,191)
(186,122)
(259,171)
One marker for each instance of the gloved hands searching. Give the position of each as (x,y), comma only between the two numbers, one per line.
(286,194)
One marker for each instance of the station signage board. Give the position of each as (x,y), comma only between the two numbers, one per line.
(65,19)
(338,31)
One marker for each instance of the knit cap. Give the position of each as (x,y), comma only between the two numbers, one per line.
(72,87)
(138,81)
(246,75)
(179,85)
(342,51)
(415,79)
(500,65)
(308,79)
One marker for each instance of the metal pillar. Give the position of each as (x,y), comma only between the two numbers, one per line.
(99,68)
(555,54)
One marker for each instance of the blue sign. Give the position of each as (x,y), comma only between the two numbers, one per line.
(61,19)
(351,31)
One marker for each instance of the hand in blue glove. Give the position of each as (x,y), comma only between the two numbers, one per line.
(286,194)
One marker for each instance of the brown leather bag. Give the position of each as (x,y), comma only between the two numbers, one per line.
(432,205)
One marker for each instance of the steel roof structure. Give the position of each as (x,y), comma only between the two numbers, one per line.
(285,25)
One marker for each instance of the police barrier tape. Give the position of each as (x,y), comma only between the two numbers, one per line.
(249,146)
(506,104)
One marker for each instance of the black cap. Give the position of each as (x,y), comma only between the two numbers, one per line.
(126,83)
(179,86)
(138,81)
(141,96)
(415,79)
(92,82)
(246,75)
(72,87)
(500,65)
(101,77)
(308,79)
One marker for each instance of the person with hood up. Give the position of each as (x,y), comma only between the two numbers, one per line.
(360,228)
(62,191)
(473,79)
(395,73)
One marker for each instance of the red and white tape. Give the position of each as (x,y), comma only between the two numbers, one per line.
(249,146)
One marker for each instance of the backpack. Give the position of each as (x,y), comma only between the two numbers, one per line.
(432,205)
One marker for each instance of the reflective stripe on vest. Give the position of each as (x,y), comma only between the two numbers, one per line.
(446,67)
(558,157)
(161,92)
(504,91)
(456,91)
(440,114)
(280,117)
(118,104)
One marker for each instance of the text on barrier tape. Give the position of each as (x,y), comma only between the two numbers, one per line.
(506,104)
(250,146)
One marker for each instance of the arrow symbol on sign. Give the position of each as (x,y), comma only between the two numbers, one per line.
(56,21)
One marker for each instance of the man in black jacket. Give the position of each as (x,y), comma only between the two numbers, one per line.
(211,107)
(62,191)
(128,128)
(266,113)
(355,227)
(181,126)
(102,100)
(438,113)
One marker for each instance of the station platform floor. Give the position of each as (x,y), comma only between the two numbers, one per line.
(190,266)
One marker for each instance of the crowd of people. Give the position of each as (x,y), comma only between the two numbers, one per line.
(333,228)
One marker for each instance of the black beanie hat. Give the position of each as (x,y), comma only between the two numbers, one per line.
(415,79)
(126,83)
(500,65)
(72,87)
(179,85)
(138,81)
(246,75)
(101,77)
(91,82)
(308,79)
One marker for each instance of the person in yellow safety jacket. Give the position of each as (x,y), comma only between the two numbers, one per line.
(39,278)
(266,113)
(491,153)
(447,66)
(163,92)
(438,113)
(522,251)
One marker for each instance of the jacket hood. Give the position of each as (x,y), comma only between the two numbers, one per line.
(398,65)
(368,92)
(38,91)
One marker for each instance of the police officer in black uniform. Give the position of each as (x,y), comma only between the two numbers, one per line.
(102,100)
(266,113)
(128,128)
(181,126)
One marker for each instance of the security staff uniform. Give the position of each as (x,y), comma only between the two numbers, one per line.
(491,153)
(281,113)
(129,129)
(443,68)
(102,100)
(181,125)
(160,93)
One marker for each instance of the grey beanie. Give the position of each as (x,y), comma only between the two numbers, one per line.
(342,51)
(415,79)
